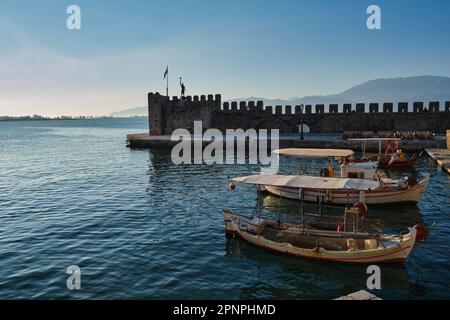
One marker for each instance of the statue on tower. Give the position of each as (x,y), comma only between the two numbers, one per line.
(183,88)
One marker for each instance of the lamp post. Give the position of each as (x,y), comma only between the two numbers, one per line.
(301,123)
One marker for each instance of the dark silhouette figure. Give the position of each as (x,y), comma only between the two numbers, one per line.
(183,88)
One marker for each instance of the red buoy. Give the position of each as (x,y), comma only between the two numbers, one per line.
(361,207)
(340,228)
(232,185)
(422,233)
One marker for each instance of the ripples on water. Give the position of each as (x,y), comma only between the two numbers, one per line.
(141,227)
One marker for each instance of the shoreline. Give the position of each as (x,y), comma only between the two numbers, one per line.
(7,119)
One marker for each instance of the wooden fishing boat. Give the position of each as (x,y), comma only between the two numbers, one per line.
(339,246)
(362,179)
(392,158)
(388,161)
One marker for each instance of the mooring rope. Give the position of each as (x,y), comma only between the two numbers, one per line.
(431,202)
(424,247)
(433,279)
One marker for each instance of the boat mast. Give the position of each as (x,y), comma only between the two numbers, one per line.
(320,202)
(279,207)
(259,209)
(301,195)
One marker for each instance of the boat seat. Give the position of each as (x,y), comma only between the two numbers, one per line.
(275,225)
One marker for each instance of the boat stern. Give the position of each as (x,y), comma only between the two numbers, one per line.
(230,226)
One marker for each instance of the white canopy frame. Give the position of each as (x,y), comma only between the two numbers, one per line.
(314,153)
(309,182)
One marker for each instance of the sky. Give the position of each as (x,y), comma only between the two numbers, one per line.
(242,48)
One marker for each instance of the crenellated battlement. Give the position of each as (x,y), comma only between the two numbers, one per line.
(156,97)
(169,113)
(334,108)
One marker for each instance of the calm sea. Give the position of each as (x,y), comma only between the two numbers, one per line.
(138,226)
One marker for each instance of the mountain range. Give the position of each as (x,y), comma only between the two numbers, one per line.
(410,89)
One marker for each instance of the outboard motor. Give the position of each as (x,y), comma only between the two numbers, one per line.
(403,183)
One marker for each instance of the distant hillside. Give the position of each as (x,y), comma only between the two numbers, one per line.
(420,88)
(134,112)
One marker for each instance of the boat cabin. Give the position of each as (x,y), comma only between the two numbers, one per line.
(359,170)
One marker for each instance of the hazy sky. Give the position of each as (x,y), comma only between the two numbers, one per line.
(238,48)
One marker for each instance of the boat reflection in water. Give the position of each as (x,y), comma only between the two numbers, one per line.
(269,275)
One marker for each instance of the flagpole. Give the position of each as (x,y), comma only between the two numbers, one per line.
(167,83)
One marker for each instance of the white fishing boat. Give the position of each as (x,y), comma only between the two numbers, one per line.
(357,179)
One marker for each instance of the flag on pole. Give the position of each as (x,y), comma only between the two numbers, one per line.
(166,76)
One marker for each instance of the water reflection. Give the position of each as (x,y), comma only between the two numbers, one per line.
(287,277)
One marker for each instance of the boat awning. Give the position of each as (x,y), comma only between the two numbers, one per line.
(303,152)
(309,182)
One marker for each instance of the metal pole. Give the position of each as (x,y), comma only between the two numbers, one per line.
(167,82)
(320,202)
(301,207)
(279,208)
(301,123)
(259,200)
(259,211)
(379,152)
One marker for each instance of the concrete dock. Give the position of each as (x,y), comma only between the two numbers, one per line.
(441,157)
(146,140)
(360,295)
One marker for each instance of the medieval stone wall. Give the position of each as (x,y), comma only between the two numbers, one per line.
(166,115)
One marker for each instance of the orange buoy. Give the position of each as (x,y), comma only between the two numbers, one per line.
(422,233)
(232,185)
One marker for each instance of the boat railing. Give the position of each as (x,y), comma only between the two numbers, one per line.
(313,232)
(324,233)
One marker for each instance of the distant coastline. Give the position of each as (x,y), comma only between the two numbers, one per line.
(72,118)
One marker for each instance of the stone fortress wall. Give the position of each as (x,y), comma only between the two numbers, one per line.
(167,114)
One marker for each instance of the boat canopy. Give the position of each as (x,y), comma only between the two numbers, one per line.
(309,182)
(303,152)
